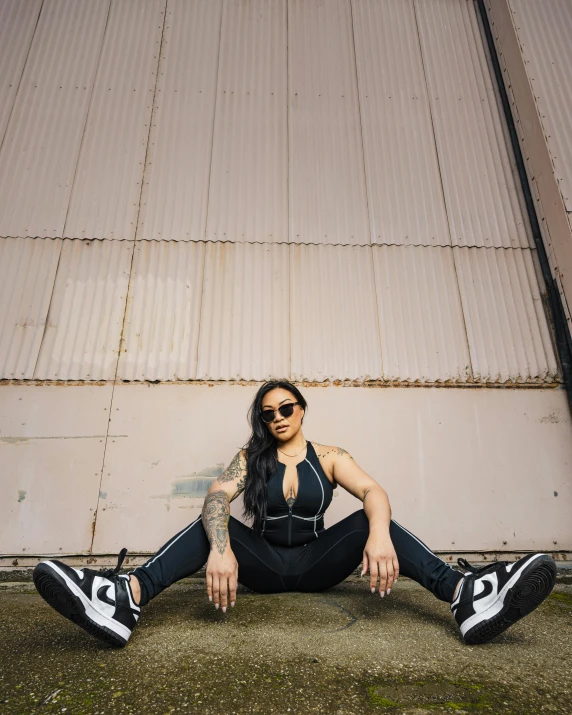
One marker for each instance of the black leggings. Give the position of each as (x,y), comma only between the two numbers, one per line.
(316,566)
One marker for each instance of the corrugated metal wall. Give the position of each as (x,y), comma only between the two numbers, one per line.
(232,190)
(532,41)
(365,135)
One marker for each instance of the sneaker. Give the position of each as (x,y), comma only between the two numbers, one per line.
(100,602)
(493,597)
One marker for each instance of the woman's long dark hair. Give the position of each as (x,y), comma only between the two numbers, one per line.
(261,454)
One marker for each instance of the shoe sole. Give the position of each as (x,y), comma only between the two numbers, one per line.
(61,596)
(531,588)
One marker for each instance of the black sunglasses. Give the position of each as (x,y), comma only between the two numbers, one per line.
(285,410)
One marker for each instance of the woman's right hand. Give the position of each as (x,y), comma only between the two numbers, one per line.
(222,577)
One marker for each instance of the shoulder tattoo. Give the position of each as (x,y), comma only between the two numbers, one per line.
(323,451)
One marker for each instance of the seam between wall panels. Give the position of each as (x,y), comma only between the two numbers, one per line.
(21,75)
(86,117)
(121,336)
(369,218)
(365,181)
(429,103)
(297,243)
(288,185)
(206,241)
(61,242)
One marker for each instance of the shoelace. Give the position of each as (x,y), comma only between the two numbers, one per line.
(109,573)
(463,563)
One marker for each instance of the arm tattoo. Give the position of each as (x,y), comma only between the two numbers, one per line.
(337,450)
(235,469)
(216,512)
(239,488)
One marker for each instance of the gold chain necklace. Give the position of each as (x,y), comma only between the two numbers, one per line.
(297,453)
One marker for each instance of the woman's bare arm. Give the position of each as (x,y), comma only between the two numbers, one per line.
(216,507)
(222,567)
(216,513)
(379,555)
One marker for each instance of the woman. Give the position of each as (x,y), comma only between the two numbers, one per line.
(288,484)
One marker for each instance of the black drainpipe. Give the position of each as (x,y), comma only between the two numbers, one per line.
(554,307)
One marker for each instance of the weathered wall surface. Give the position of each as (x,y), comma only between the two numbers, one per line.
(227,191)
(465,469)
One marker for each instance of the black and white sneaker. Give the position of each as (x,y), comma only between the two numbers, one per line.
(493,597)
(100,602)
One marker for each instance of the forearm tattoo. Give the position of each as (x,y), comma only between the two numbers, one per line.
(216,513)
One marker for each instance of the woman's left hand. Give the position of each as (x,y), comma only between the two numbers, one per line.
(380,558)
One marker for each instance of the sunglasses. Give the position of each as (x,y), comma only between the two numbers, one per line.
(285,410)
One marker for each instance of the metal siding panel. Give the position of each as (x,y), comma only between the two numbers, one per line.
(245,313)
(328,201)
(41,146)
(546,193)
(452,460)
(509,338)
(334,325)
(248,197)
(423,337)
(482,194)
(406,203)
(178,442)
(17,25)
(415,442)
(107,186)
(51,449)
(176,180)
(163,312)
(544,31)
(27,275)
(82,337)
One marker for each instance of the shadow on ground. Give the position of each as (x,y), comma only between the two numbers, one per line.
(343,651)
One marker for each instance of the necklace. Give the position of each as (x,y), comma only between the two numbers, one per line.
(293,455)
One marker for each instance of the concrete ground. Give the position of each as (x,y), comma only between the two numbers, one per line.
(343,651)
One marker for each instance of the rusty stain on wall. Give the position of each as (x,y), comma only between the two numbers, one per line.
(555,383)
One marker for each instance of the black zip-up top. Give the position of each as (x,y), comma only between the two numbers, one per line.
(303,521)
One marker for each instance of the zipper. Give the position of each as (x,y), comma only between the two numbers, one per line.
(290,526)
